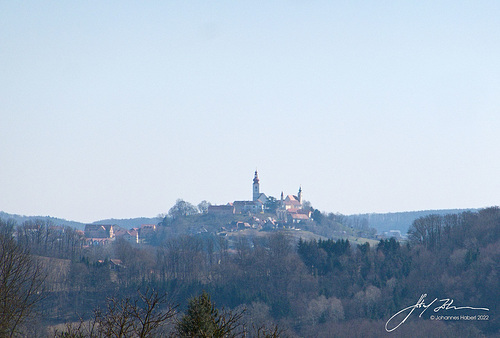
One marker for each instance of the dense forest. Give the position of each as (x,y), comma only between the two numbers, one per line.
(324,287)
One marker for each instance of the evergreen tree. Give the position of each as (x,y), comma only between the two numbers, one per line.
(203,319)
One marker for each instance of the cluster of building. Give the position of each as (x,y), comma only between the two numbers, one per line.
(256,223)
(100,234)
(289,209)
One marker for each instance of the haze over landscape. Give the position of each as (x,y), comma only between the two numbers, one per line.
(249,169)
(117,109)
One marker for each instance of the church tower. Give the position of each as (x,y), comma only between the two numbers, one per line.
(300,195)
(256,188)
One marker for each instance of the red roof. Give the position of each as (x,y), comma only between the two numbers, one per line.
(148,226)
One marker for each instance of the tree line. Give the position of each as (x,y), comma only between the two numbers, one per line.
(308,287)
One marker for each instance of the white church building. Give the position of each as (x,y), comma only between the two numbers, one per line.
(289,208)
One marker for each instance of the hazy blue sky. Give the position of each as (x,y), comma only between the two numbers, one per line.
(118,108)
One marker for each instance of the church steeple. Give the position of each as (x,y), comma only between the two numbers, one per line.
(256,178)
(256,187)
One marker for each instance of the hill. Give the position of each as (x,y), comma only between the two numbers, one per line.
(382,222)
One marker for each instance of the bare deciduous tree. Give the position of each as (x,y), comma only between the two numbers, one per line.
(182,208)
(143,316)
(21,285)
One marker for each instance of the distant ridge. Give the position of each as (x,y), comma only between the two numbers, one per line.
(123,223)
(399,220)
(57,221)
(130,223)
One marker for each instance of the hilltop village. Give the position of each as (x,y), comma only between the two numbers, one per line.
(261,213)
(288,209)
